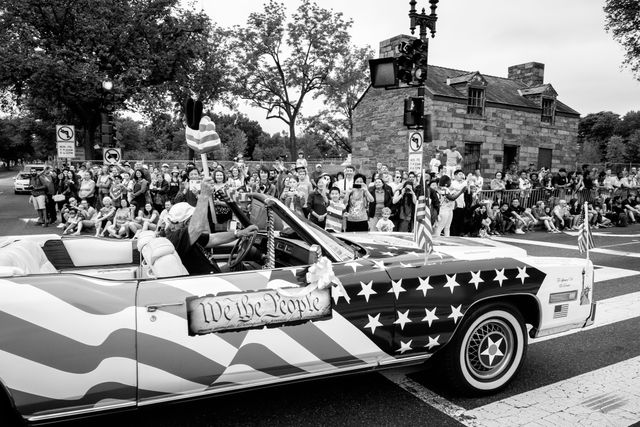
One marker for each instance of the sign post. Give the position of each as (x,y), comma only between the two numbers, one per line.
(66,141)
(416,148)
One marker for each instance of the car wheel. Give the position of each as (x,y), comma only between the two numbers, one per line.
(488,350)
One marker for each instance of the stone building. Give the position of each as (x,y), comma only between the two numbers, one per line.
(494,121)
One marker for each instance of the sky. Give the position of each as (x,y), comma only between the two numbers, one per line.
(582,61)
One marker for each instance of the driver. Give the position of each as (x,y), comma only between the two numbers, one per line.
(188,230)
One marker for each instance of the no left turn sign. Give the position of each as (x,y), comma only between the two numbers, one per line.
(415,142)
(65,133)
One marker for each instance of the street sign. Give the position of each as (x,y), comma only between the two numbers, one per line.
(415,142)
(111,155)
(66,150)
(65,133)
(416,147)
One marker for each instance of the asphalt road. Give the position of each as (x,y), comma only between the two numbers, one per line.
(600,365)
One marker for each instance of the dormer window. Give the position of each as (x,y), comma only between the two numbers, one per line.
(548,110)
(475,101)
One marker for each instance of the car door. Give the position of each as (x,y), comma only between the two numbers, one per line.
(67,344)
(179,356)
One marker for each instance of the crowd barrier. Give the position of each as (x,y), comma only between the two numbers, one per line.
(528,198)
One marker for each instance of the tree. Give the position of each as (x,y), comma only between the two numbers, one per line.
(590,152)
(616,150)
(54,55)
(629,123)
(269,148)
(280,63)
(633,147)
(622,20)
(345,84)
(599,128)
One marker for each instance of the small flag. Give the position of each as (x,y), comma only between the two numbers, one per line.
(205,138)
(585,238)
(422,229)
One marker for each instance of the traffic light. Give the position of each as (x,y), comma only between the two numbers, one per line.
(413,112)
(420,60)
(405,62)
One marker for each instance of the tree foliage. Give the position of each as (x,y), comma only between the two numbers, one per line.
(54,54)
(281,62)
(622,20)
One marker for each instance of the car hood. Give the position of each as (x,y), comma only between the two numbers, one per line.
(388,245)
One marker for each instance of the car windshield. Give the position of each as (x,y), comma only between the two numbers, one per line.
(24,176)
(286,225)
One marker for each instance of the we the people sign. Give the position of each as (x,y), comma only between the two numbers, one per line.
(246,310)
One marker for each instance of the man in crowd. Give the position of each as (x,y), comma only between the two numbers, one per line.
(452,160)
(346,184)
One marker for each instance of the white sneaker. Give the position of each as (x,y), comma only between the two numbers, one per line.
(61,225)
(518,231)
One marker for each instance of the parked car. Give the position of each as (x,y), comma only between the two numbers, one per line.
(22,183)
(91,325)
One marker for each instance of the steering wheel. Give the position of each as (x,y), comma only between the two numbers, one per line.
(241,249)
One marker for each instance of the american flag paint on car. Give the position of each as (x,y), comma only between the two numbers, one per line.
(90,338)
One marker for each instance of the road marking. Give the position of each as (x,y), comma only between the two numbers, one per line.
(610,310)
(603,273)
(608,396)
(563,246)
(633,242)
(28,220)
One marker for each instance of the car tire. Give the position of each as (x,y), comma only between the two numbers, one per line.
(487,351)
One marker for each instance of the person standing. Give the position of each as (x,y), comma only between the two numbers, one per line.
(140,189)
(382,198)
(38,197)
(318,202)
(335,212)
(447,205)
(357,202)
(452,159)
(47,180)
(459,185)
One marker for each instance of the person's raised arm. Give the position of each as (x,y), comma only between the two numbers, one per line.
(199,222)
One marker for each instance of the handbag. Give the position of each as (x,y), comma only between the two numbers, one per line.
(59,198)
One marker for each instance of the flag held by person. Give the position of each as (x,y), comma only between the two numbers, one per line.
(422,229)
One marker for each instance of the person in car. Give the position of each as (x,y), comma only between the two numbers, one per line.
(189,232)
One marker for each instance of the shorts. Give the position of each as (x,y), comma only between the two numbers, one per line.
(39,202)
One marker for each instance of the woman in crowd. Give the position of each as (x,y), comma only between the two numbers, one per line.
(575,211)
(357,203)
(174,185)
(159,190)
(140,192)
(382,198)
(87,189)
(103,184)
(120,226)
(265,186)
(148,217)
(292,196)
(318,202)
(236,179)
(498,185)
(404,203)
(223,212)
(105,215)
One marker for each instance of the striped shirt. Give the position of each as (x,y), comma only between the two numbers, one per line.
(334,216)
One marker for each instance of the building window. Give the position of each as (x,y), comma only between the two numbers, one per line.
(475,101)
(471,158)
(545,156)
(548,110)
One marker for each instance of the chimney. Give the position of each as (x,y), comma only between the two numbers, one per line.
(531,73)
(388,47)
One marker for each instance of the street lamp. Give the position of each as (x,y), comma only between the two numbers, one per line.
(423,20)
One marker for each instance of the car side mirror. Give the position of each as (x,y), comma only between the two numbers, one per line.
(314,254)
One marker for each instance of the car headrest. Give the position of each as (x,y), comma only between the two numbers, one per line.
(145,237)
(159,247)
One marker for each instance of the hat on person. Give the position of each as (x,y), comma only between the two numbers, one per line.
(300,167)
(180,212)
(319,165)
(165,165)
(175,170)
(322,175)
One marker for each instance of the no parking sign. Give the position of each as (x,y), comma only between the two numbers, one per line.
(111,155)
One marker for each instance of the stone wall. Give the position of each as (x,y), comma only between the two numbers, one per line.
(379,134)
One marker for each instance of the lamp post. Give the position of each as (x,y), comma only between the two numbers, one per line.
(423,20)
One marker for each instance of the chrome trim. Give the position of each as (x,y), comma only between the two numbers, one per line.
(408,359)
(81,411)
(592,315)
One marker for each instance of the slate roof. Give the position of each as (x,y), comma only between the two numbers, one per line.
(499,89)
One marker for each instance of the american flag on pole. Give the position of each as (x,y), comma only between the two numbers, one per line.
(585,238)
(422,229)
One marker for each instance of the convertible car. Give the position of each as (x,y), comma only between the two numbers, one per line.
(90,325)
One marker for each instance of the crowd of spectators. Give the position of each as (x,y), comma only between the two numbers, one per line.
(122,199)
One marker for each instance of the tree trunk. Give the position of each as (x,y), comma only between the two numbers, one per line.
(292,141)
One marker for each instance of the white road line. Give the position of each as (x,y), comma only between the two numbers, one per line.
(609,396)
(563,246)
(610,310)
(603,273)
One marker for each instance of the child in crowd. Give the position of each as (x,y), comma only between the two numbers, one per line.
(73,219)
(335,210)
(384,223)
(543,215)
